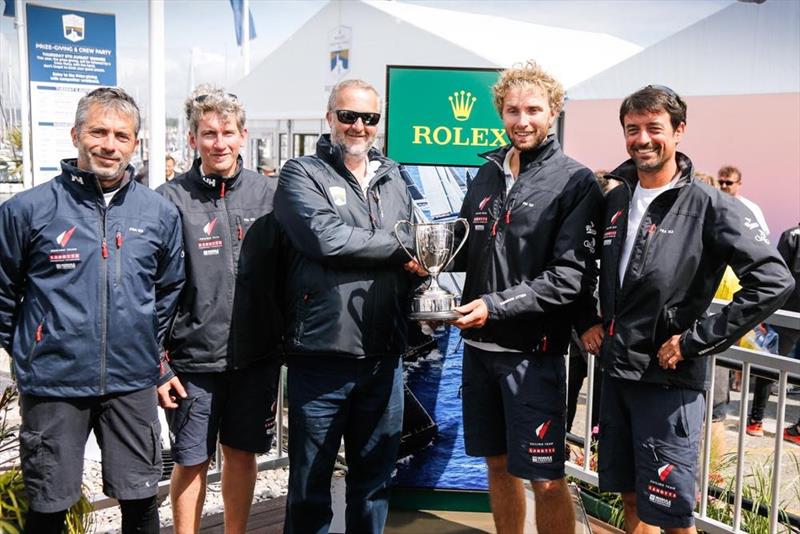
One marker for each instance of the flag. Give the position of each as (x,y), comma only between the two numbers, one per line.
(237,6)
(9,9)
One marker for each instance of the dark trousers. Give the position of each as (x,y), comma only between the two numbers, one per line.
(787,339)
(331,397)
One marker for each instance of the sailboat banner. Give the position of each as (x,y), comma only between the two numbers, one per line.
(438,120)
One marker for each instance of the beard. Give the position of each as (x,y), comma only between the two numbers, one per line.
(530,142)
(354,147)
(652,164)
(104,173)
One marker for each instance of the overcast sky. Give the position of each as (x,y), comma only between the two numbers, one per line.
(207,26)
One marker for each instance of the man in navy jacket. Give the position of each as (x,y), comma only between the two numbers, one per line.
(666,241)
(90,271)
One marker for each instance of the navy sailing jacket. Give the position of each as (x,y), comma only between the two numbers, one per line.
(686,238)
(87,291)
(346,290)
(228,314)
(529,250)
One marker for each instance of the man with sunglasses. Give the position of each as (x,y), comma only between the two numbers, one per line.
(730,181)
(346,300)
(224,343)
(666,240)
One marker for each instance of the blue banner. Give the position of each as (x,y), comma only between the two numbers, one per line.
(69,46)
(238,7)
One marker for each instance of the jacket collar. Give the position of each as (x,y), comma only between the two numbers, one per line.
(332,154)
(214,182)
(87,181)
(528,158)
(626,173)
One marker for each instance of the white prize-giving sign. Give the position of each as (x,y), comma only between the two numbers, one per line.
(340,40)
(69,53)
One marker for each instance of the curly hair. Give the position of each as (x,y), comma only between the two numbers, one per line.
(209,99)
(529,74)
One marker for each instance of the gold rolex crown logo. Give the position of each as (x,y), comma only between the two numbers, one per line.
(462,102)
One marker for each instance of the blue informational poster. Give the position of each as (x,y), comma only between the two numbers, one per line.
(69,53)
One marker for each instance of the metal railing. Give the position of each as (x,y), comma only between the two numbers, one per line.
(784,370)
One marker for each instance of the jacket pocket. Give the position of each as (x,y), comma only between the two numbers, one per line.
(299,326)
(38,336)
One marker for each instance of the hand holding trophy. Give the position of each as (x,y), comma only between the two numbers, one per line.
(433,244)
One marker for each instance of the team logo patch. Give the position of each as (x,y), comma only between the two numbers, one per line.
(64,237)
(541,430)
(211,243)
(542,451)
(659,491)
(209,227)
(338,194)
(664,471)
(64,257)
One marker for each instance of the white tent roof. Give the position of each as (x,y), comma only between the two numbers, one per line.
(293,81)
(745,48)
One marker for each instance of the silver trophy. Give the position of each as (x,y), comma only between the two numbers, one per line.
(433,244)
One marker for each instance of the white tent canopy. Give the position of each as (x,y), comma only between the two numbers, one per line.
(293,82)
(745,48)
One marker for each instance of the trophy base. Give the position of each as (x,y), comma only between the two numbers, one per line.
(449,315)
(434,305)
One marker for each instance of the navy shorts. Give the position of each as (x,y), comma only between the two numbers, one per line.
(515,404)
(53,441)
(238,405)
(649,439)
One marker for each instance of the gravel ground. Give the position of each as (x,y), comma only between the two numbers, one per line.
(269,485)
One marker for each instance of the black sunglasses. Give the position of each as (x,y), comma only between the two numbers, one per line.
(200,98)
(728,183)
(664,89)
(345,116)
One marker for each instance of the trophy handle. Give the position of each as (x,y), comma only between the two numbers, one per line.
(463,240)
(397,236)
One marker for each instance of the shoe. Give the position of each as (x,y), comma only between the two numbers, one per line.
(755,428)
(792,434)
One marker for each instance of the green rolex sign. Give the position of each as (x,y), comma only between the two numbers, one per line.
(441,116)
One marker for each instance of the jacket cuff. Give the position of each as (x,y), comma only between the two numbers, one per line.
(686,350)
(582,323)
(490,304)
(167,373)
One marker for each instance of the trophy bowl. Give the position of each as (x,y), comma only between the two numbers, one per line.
(433,247)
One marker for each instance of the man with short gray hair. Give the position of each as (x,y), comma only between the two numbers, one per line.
(224,343)
(346,298)
(90,271)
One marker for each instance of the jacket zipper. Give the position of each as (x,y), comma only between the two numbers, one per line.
(118,256)
(37,338)
(104,297)
(229,250)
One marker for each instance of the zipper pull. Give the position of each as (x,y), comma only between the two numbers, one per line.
(239,229)
(611,328)
(543,344)
(652,229)
(39,334)
(104,248)
(118,239)
(508,216)
(494,229)
(377,198)
(222,189)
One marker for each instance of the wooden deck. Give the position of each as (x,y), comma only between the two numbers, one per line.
(267,518)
